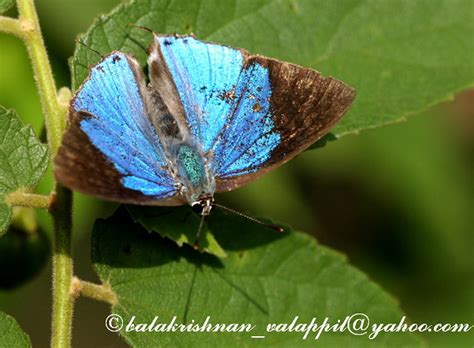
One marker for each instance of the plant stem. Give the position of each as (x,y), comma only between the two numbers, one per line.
(55,123)
(25,199)
(103,293)
(63,303)
(11,26)
(55,120)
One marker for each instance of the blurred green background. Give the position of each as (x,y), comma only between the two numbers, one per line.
(397,200)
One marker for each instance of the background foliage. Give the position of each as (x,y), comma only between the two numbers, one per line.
(396,200)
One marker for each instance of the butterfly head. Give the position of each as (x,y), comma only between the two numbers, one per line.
(203,205)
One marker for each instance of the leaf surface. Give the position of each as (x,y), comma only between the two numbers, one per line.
(11,335)
(23,160)
(266,278)
(179,224)
(5,5)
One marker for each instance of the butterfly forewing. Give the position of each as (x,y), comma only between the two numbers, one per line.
(111,149)
(303,106)
(202,73)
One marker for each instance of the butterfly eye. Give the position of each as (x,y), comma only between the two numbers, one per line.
(197,207)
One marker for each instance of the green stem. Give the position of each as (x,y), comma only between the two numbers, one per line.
(55,123)
(25,199)
(63,302)
(103,293)
(11,26)
(55,120)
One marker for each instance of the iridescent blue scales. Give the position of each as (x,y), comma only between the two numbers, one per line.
(227,105)
(211,119)
(119,127)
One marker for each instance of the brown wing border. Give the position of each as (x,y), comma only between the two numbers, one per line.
(304,106)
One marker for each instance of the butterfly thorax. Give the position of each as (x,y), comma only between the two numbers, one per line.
(188,163)
(197,183)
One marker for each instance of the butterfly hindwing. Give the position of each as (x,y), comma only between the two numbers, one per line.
(111,149)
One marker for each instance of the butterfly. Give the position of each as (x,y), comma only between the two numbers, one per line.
(211,119)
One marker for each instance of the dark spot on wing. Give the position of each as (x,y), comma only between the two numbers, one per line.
(167,43)
(259,89)
(227,96)
(100,68)
(116,59)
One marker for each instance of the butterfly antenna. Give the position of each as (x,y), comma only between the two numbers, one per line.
(141,27)
(135,41)
(198,234)
(87,46)
(272,226)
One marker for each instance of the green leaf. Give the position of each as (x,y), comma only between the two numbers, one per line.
(399,64)
(268,277)
(180,225)
(11,335)
(23,160)
(5,5)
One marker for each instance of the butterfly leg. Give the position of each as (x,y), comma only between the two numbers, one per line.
(198,234)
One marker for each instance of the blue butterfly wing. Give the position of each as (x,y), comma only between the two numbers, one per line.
(249,113)
(201,73)
(111,148)
(250,137)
